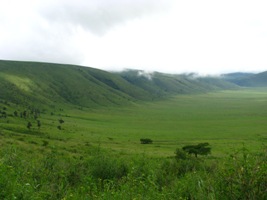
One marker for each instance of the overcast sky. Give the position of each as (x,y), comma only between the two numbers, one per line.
(173,36)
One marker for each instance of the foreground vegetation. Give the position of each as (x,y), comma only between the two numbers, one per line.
(97,153)
(99,175)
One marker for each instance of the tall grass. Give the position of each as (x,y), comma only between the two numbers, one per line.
(242,175)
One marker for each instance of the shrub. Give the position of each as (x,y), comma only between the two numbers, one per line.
(45,143)
(180,154)
(29,125)
(146,141)
(243,176)
(107,168)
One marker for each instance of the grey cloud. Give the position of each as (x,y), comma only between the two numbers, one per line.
(40,44)
(45,30)
(101,15)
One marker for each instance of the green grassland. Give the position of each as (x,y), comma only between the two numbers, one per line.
(97,153)
(225,119)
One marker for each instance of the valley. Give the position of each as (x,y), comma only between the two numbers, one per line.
(226,119)
(69,132)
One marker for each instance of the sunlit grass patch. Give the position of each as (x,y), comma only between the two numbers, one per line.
(22,83)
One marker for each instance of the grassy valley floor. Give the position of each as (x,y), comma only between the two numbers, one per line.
(82,153)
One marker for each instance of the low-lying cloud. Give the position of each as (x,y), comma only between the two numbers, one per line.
(146,74)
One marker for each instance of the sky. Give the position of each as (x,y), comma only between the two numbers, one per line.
(171,36)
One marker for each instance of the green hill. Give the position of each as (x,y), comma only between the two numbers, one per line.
(159,84)
(48,84)
(247,79)
(236,76)
(23,82)
(256,80)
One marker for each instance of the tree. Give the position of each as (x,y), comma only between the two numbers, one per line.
(29,125)
(38,124)
(61,121)
(24,114)
(4,114)
(199,149)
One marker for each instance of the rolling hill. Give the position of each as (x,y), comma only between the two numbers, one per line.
(49,84)
(252,80)
(236,76)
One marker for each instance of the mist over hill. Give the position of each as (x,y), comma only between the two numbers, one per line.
(49,84)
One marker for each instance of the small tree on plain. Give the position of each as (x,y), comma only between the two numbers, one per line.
(24,114)
(61,121)
(39,124)
(29,125)
(199,149)
(4,114)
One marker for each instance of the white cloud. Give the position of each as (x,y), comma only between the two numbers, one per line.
(164,35)
(101,15)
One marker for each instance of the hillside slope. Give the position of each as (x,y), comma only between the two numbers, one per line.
(159,84)
(247,79)
(255,80)
(22,82)
(236,76)
(49,84)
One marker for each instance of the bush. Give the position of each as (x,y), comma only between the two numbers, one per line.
(45,143)
(243,176)
(146,141)
(180,154)
(104,167)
